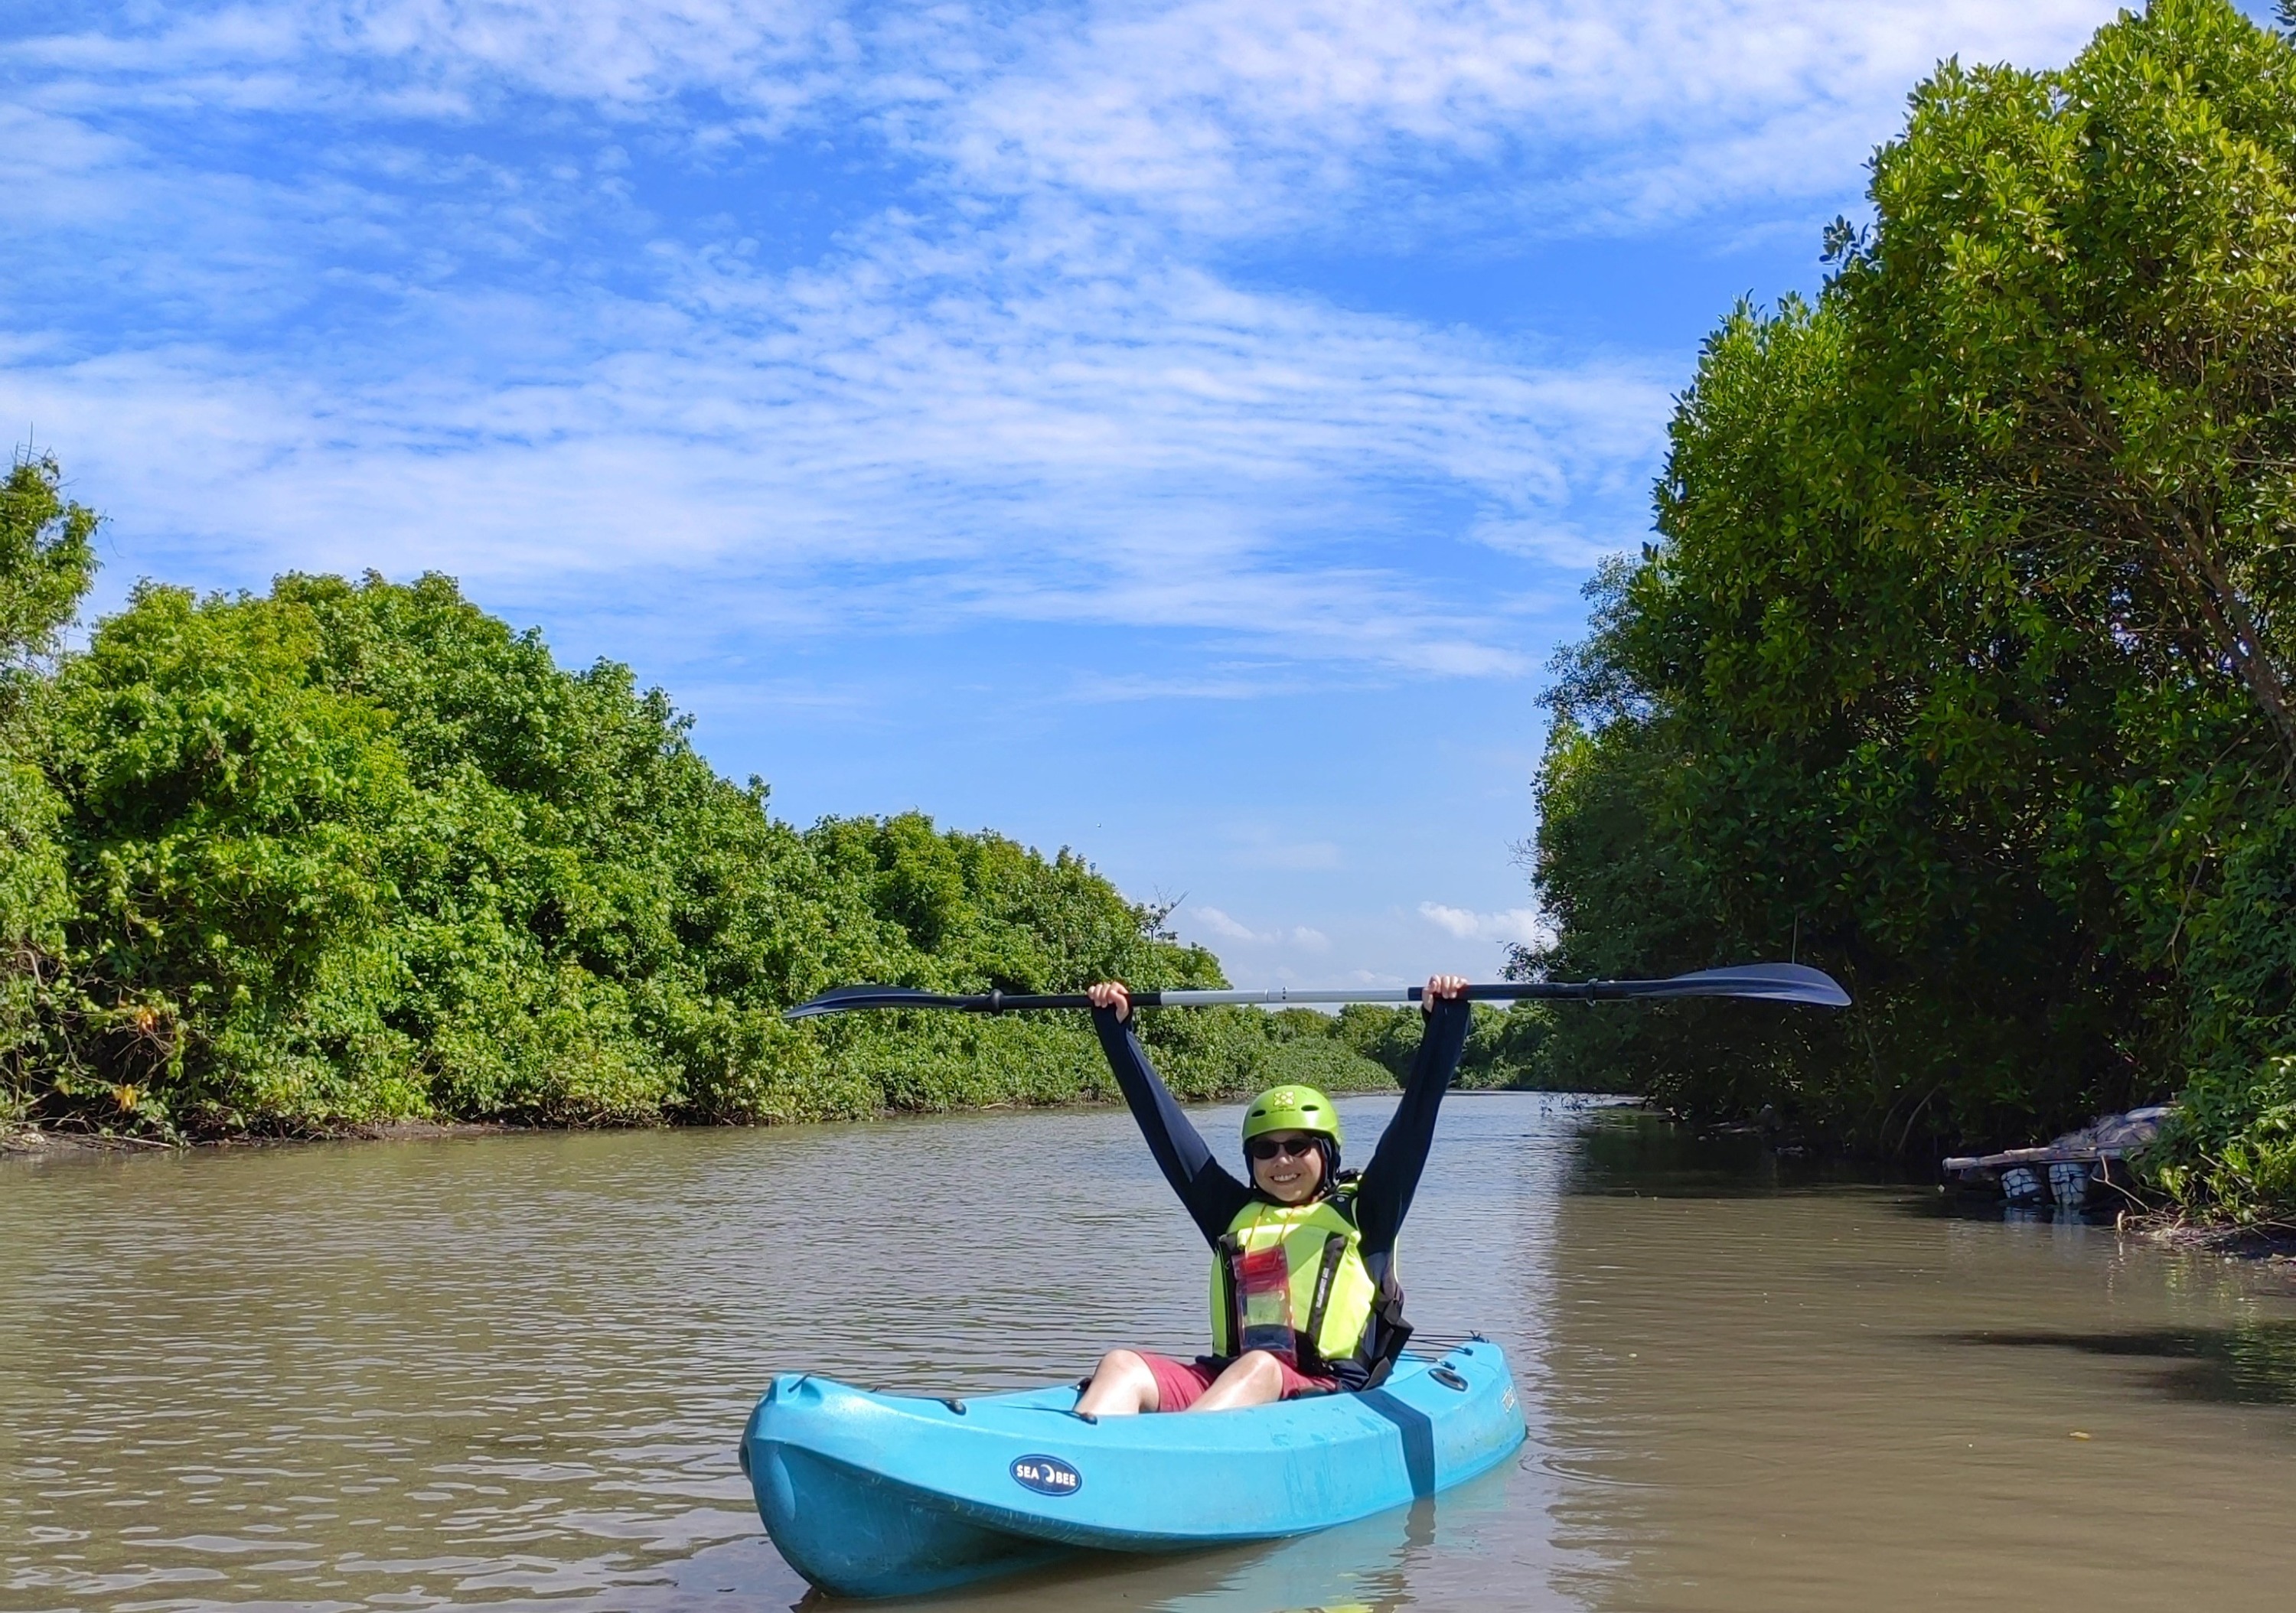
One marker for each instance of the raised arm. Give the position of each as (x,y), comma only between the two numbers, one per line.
(1384,1195)
(1210,1193)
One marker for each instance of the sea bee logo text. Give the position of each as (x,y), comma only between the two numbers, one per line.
(1046,1475)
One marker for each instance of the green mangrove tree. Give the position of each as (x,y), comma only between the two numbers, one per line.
(1963,664)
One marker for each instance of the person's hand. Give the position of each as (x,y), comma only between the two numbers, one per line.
(1442,988)
(1110,994)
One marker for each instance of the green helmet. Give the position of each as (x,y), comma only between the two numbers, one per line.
(1291,1108)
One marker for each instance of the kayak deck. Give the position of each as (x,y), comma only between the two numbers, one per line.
(870,1495)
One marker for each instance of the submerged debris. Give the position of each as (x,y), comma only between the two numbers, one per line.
(2066,1169)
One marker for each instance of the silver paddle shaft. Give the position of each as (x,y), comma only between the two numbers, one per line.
(1283,994)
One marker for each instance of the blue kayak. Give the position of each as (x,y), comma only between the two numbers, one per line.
(874,1495)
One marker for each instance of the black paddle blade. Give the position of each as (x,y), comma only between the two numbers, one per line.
(1767,982)
(844,998)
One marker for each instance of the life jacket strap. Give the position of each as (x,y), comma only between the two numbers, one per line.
(1390,1328)
(1231,1252)
(1335,1250)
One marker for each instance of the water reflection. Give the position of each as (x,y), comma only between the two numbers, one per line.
(1768,1402)
(1634,1153)
(1631,1152)
(1371,1565)
(2249,1365)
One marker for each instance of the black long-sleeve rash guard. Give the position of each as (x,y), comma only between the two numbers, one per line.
(1214,1197)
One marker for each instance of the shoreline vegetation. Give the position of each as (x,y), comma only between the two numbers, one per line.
(348,854)
(1962,665)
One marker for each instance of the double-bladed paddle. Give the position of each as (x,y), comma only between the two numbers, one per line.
(1767,982)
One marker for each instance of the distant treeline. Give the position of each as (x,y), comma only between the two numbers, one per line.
(354,852)
(1966,666)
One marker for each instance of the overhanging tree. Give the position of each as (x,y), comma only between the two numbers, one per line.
(1965,658)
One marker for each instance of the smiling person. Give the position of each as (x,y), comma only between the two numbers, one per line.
(1304,1298)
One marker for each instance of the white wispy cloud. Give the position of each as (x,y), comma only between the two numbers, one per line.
(1517,926)
(1234,118)
(1149,465)
(1297,938)
(1240,118)
(1018,385)
(450,59)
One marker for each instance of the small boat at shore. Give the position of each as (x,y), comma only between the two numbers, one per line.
(877,1494)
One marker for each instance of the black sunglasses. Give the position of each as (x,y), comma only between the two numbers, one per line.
(1268,1147)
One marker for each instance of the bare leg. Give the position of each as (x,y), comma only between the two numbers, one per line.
(1253,1378)
(1121,1386)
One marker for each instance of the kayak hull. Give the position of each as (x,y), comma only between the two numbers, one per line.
(869,1495)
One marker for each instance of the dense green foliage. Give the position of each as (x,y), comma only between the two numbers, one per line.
(1506,1048)
(1964,665)
(46,558)
(351,852)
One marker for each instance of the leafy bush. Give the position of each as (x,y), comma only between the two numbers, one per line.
(2229,1155)
(1506,1047)
(47,560)
(351,852)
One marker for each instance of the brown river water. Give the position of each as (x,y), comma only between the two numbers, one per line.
(510,1371)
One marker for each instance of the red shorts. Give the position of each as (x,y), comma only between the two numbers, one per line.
(1178,1383)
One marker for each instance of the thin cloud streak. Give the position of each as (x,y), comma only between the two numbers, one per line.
(985,441)
(1013,386)
(1231,118)
(1235,119)
(1517,926)
(1297,937)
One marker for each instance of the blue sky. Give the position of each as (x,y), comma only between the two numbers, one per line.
(1176,430)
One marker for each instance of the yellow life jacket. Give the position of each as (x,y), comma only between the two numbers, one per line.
(1290,1279)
